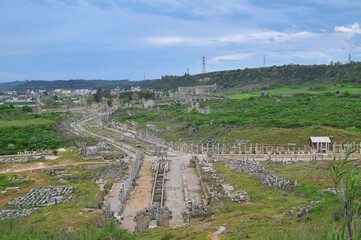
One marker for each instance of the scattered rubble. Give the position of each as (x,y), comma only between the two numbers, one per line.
(244,166)
(44,196)
(195,209)
(22,159)
(113,170)
(332,191)
(102,148)
(236,196)
(17,213)
(275,181)
(283,161)
(303,210)
(251,167)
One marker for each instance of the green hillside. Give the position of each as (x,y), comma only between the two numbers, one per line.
(292,76)
(69,84)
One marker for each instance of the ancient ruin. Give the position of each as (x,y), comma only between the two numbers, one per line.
(152,217)
(22,159)
(44,196)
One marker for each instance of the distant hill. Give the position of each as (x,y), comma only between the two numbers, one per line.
(267,77)
(70,84)
(255,78)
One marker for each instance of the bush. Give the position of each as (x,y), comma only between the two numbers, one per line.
(27,109)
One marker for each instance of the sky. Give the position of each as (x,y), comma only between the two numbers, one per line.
(147,39)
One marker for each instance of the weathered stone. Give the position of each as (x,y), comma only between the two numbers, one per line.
(152,216)
(22,159)
(17,213)
(107,213)
(44,196)
(236,196)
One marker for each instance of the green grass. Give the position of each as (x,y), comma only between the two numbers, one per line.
(16,124)
(29,132)
(12,229)
(87,193)
(270,120)
(303,90)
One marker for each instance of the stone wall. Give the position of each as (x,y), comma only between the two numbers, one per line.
(151,217)
(128,184)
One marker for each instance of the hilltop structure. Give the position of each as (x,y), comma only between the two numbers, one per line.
(197,90)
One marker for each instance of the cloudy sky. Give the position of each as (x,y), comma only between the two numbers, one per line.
(137,39)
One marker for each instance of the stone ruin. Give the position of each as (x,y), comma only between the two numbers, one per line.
(22,159)
(44,196)
(332,191)
(152,217)
(112,171)
(303,210)
(236,196)
(274,181)
(282,161)
(197,107)
(244,166)
(17,213)
(58,171)
(102,148)
(195,209)
(107,214)
(251,167)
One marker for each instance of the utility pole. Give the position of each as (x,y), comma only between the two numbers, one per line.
(204,65)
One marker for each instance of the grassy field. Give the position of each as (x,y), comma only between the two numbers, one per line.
(269,120)
(342,88)
(54,217)
(21,131)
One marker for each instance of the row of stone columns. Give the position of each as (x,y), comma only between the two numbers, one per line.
(257,149)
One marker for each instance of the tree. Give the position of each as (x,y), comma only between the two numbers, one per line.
(33,141)
(90,99)
(27,109)
(135,96)
(106,93)
(98,95)
(11,146)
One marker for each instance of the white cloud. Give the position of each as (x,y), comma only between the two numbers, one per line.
(239,56)
(246,37)
(264,36)
(354,28)
(165,40)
